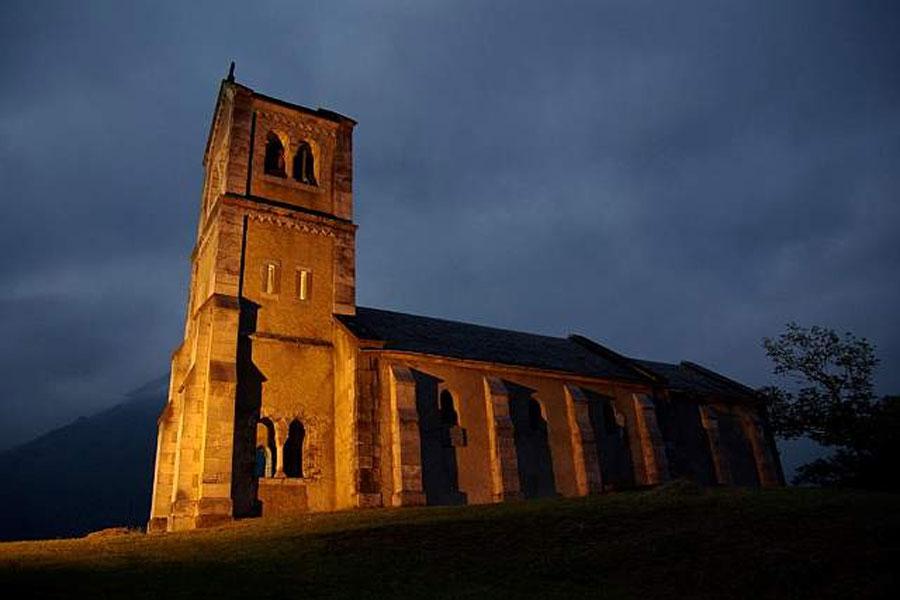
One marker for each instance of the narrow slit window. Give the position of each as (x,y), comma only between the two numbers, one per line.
(270,278)
(304,281)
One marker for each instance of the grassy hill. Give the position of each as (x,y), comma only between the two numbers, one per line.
(674,543)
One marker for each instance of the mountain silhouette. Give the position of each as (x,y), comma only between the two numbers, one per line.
(94,473)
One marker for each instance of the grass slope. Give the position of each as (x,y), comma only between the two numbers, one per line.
(783,543)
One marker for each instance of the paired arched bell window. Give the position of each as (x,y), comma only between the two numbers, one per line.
(303,166)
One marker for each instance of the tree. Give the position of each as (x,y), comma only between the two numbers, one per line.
(831,400)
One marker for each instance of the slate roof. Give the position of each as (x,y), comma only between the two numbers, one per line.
(575,354)
(412,333)
(692,378)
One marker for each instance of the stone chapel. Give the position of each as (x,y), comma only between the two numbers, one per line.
(286,396)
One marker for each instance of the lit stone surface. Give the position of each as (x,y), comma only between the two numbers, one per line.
(285,396)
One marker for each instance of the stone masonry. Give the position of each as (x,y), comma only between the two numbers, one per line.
(285,396)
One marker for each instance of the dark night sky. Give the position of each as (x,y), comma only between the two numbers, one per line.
(673,179)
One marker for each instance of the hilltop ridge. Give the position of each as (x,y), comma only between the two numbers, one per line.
(93,473)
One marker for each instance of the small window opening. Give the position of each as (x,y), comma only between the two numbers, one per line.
(304,279)
(274,161)
(304,165)
(270,278)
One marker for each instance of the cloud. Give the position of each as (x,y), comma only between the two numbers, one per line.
(676,180)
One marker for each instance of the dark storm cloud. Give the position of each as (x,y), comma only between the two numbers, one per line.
(674,179)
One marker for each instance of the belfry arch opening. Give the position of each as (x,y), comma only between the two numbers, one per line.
(304,167)
(293,450)
(274,159)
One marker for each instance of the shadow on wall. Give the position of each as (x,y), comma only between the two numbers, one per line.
(687,447)
(244,483)
(438,423)
(616,467)
(532,440)
(736,447)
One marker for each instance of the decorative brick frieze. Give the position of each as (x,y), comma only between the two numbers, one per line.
(278,119)
(289,223)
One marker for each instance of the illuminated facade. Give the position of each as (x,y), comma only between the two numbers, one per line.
(285,396)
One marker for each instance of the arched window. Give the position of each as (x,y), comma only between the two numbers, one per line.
(265,448)
(274,163)
(304,165)
(263,467)
(293,450)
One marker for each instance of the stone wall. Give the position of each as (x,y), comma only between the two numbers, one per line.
(718,440)
(265,374)
(256,348)
(493,404)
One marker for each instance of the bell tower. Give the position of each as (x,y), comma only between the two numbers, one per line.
(273,263)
